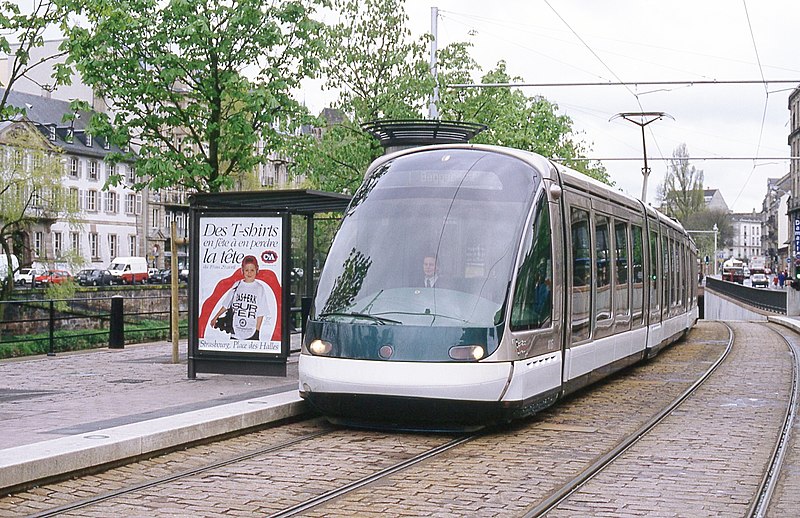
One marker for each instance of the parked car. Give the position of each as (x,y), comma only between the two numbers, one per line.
(94,277)
(52,277)
(27,276)
(759,280)
(152,275)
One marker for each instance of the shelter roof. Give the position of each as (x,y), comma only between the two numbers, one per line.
(295,201)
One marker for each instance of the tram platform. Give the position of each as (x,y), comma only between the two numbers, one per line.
(74,411)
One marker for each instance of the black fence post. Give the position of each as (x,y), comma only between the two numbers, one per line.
(116,328)
(52,329)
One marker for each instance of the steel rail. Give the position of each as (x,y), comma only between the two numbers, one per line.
(766,488)
(177,476)
(597,466)
(336,493)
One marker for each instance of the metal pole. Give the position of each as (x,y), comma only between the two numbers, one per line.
(52,326)
(645,169)
(433,111)
(642,119)
(174,299)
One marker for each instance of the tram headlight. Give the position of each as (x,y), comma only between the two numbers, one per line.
(319,347)
(467,352)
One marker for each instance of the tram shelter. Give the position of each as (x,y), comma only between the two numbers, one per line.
(225,230)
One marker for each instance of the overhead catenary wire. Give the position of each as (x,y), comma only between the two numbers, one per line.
(766,100)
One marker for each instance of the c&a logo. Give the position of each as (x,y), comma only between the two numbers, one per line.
(269,256)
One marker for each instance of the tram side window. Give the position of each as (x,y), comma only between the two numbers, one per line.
(637,256)
(655,256)
(622,305)
(666,274)
(604,265)
(533,299)
(581,274)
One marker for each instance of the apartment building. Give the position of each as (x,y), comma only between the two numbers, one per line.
(109,216)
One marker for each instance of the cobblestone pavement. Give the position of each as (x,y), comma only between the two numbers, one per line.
(708,458)
(502,473)
(45,398)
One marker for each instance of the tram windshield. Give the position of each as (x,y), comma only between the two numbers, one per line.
(430,239)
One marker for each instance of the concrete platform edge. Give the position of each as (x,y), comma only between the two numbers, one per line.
(24,465)
(790,322)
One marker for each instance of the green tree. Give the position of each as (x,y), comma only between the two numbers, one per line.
(24,30)
(201,87)
(513,118)
(384,74)
(380,72)
(681,193)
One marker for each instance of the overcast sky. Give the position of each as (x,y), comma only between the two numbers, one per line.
(558,41)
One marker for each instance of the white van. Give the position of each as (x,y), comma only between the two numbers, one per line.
(4,267)
(129,270)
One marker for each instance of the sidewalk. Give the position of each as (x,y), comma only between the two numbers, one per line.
(77,410)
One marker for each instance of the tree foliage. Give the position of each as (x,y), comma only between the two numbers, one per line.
(26,30)
(681,193)
(201,87)
(513,118)
(383,73)
(31,172)
(380,73)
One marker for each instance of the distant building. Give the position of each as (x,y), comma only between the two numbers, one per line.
(714,201)
(775,235)
(746,235)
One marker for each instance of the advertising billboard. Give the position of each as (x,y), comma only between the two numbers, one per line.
(239,298)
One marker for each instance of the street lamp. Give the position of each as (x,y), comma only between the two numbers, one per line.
(716,230)
(642,119)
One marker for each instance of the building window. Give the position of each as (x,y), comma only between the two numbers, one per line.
(112,245)
(131,175)
(138,204)
(130,203)
(132,244)
(91,200)
(76,242)
(106,143)
(38,239)
(93,170)
(57,244)
(73,167)
(94,246)
(156,216)
(112,202)
(52,133)
(88,140)
(70,137)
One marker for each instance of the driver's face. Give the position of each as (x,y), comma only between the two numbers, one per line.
(429,266)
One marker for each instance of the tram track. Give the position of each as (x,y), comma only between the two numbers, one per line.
(312,476)
(178,476)
(766,489)
(558,496)
(358,484)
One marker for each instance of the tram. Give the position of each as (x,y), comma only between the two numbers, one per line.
(545,281)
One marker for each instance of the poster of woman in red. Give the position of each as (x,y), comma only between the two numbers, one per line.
(240,285)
